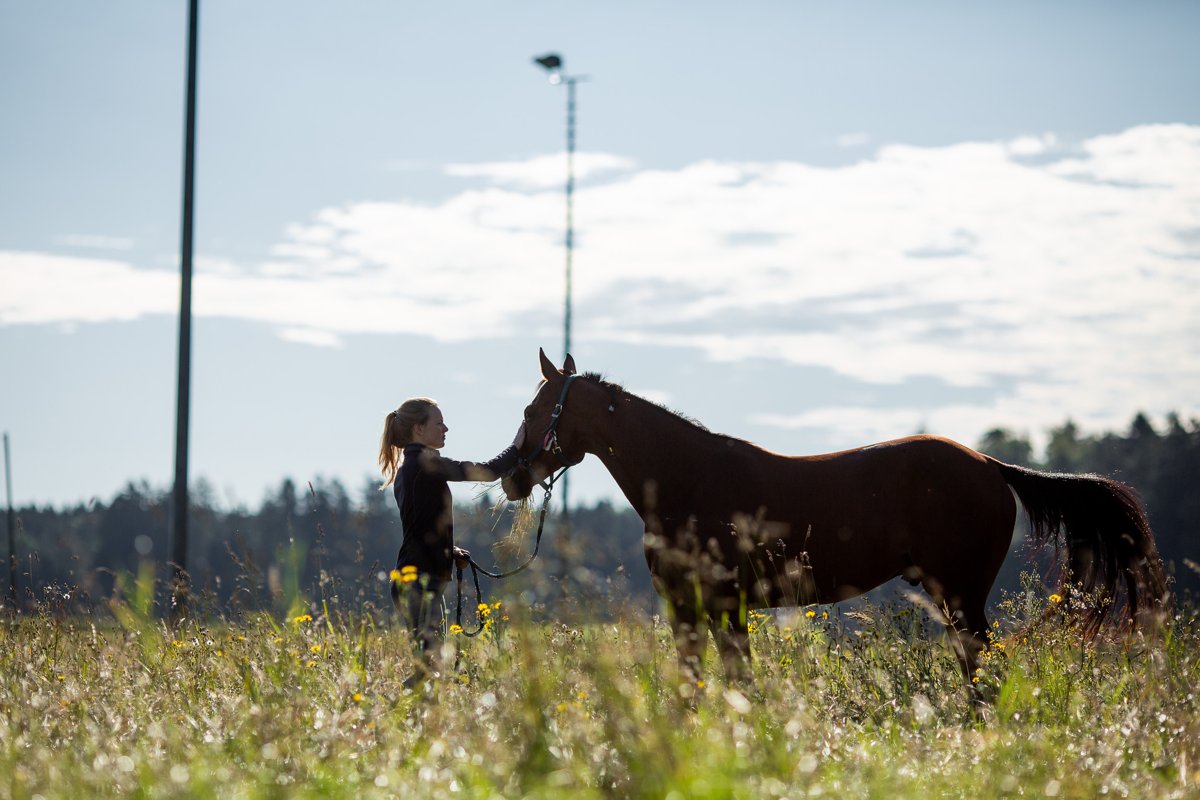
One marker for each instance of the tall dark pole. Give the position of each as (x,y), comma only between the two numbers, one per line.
(566,486)
(553,63)
(12,536)
(179,504)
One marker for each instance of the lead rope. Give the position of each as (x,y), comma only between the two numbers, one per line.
(476,569)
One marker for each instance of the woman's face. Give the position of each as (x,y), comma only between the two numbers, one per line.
(431,432)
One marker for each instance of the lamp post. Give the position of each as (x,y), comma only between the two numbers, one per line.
(179,502)
(12,552)
(553,64)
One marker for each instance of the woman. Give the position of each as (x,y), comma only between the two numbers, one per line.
(408,455)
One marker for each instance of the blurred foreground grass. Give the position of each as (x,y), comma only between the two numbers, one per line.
(868,705)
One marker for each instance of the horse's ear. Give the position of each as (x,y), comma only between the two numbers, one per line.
(549,371)
(569,365)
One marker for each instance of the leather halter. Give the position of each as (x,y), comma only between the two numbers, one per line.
(549,441)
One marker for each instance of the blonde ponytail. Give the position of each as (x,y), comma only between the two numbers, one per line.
(398,432)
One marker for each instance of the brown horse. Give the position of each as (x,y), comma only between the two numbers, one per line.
(732,527)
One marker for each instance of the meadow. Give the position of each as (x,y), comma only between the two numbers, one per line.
(862,703)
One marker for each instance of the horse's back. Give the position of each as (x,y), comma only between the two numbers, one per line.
(869,514)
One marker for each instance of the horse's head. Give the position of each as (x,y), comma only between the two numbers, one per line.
(552,439)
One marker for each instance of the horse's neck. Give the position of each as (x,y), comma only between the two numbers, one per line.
(645,444)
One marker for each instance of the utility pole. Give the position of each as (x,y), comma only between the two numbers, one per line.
(553,64)
(179,504)
(12,535)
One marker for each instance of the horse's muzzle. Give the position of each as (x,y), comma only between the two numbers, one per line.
(517,485)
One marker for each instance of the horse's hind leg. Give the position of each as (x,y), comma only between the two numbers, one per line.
(967,626)
(968,635)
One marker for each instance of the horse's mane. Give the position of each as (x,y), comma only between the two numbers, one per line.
(616,387)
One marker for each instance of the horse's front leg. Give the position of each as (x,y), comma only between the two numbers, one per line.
(732,632)
(690,629)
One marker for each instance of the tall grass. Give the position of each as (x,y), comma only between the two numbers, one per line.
(310,705)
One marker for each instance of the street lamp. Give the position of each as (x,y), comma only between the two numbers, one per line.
(179,495)
(553,64)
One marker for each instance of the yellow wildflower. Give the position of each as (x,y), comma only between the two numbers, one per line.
(456,628)
(302,618)
(357,697)
(311,664)
(406,575)
(824,615)
(699,684)
(810,613)
(316,648)
(1056,598)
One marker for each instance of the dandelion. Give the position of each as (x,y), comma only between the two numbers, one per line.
(456,629)
(316,648)
(311,664)
(975,679)
(357,697)
(700,684)
(302,618)
(406,575)
(1056,598)
(810,613)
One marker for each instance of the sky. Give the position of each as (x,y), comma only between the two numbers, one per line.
(810,225)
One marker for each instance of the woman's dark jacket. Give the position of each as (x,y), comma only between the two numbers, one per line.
(427,507)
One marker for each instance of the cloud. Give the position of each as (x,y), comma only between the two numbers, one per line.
(95,242)
(855,139)
(42,288)
(1066,271)
(310,336)
(542,172)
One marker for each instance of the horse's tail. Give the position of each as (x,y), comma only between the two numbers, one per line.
(1098,526)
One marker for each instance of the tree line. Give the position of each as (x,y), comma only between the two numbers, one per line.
(317,542)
